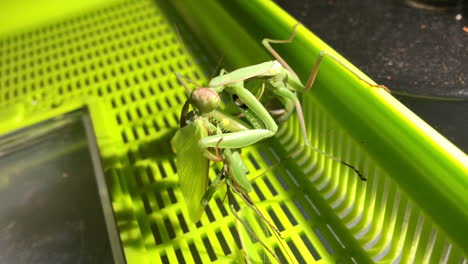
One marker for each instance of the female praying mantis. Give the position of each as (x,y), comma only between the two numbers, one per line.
(194,155)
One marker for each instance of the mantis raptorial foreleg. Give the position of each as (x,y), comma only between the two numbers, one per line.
(244,138)
(231,202)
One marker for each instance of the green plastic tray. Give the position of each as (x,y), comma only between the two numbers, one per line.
(118,59)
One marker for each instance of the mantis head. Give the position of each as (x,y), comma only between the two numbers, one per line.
(205,100)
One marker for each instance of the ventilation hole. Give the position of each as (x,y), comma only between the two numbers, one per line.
(169,83)
(278,223)
(124,137)
(289,214)
(310,247)
(172,196)
(270,187)
(150,174)
(146,204)
(159,200)
(176,117)
(146,130)
(129,116)
(324,241)
(164,259)
(177,98)
(265,158)
(253,161)
(168,102)
(173,166)
(280,255)
(236,205)
(162,171)
(296,252)
(198,224)
(235,235)
(209,214)
(301,209)
(135,133)
(131,157)
(280,179)
(158,105)
(139,114)
(195,255)
(182,223)
(156,126)
(156,234)
(169,228)
(132,96)
(166,122)
(148,108)
(223,243)
(179,256)
(209,249)
(221,207)
(258,192)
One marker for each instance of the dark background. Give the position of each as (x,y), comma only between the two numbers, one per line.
(417,49)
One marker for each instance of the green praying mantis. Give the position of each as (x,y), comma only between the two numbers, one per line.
(208,133)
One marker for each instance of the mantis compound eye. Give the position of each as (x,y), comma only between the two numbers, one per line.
(205,100)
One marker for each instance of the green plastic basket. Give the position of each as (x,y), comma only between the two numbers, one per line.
(118,58)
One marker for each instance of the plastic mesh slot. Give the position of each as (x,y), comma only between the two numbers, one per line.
(324,241)
(156,234)
(195,255)
(169,228)
(209,249)
(146,204)
(310,247)
(172,196)
(280,255)
(276,220)
(288,213)
(221,207)
(209,214)
(297,254)
(270,187)
(159,200)
(164,259)
(180,256)
(235,236)
(223,243)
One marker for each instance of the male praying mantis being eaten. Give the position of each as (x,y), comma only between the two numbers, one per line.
(210,134)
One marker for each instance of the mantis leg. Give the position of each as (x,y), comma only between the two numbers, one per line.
(244,138)
(314,72)
(231,202)
(214,186)
(266,44)
(184,113)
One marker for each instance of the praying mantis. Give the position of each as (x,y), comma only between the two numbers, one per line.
(194,155)
(207,133)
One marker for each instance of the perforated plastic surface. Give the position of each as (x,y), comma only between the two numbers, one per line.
(122,57)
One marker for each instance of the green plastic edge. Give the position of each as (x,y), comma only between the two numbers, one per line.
(428,168)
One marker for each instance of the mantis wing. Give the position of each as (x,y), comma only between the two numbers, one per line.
(192,166)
